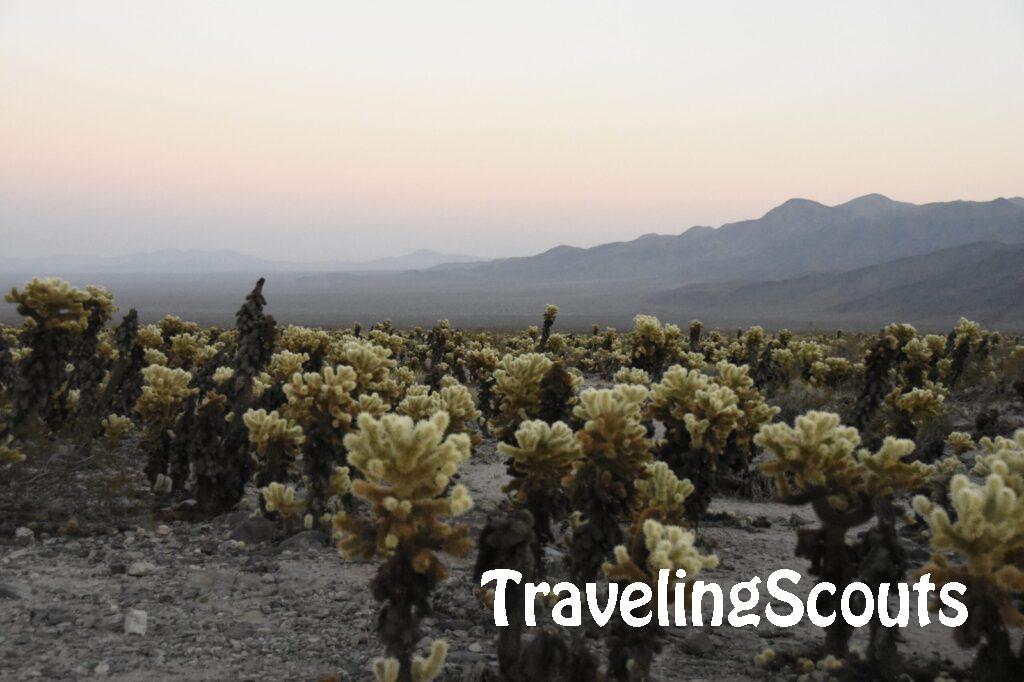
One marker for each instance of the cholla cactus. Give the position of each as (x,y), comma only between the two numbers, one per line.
(753,339)
(223,375)
(285,363)
(542,457)
(322,396)
(156,357)
(277,442)
(632,375)
(653,346)
(8,345)
(189,351)
(52,303)
(172,325)
(372,365)
(756,412)
(831,371)
(558,393)
(1005,457)
(455,399)
(56,315)
(422,669)
(550,313)
(601,487)
(419,402)
(218,440)
(481,364)
(88,363)
(517,392)
(817,461)
(123,386)
(988,537)
(507,541)
(282,499)
(116,427)
(1013,369)
(445,354)
(882,356)
(907,412)
(960,442)
(149,337)
(654,547)
(159,406)
(700,416)
(784,358)
(312,342)
(407,467)
(322,403)
(918,355)
(696,328)
(816,454)
(269,430)
(965,339)
(661,495)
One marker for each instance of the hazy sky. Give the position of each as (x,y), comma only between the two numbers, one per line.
(355,129)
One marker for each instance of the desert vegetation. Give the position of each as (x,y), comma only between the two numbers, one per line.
(426,457)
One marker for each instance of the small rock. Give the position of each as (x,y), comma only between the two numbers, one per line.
(102,669)
(163,531)
(135,622)
(307,539)
(698,644)
(475,648)
(761,522)
(254,530)
(53,616)
(23,535)
(232,519)
(8,591)
(139,569)
(797,520)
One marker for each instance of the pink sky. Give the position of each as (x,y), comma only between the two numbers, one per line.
(332,130)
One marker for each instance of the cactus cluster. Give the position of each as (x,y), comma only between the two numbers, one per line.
(818,461)
(615,445)
(986,535)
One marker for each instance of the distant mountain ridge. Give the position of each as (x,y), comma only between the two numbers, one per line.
(169,261)
(859,264)
(796,238)
(981,280)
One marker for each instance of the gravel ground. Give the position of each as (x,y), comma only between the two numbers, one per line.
(216,608)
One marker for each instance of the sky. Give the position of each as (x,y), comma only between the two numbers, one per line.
(351,130)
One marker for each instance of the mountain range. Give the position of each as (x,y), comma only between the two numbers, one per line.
(860,264)
(797,238)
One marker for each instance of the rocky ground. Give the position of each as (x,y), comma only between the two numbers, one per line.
(226,600)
